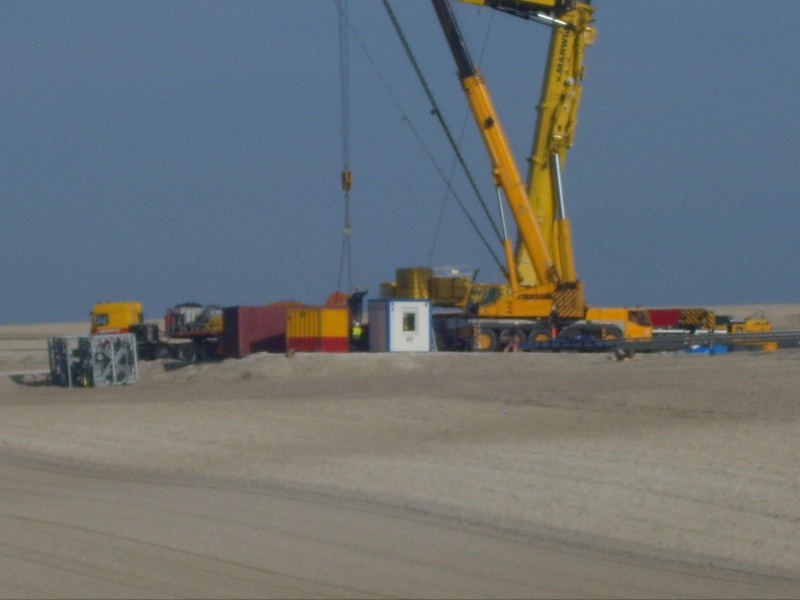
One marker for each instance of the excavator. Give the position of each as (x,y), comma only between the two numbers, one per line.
(542,296)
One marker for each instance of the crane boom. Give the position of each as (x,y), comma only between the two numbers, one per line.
(555,129)
(555,126)
(504,168)
(529,298)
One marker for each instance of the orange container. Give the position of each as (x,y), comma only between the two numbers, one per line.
(318,329)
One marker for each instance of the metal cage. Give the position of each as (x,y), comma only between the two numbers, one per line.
(93,360)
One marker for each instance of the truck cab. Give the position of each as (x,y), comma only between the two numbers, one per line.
(115,317)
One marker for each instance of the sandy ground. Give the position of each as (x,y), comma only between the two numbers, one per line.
(671,474)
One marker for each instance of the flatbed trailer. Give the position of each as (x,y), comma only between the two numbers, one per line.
(622,348)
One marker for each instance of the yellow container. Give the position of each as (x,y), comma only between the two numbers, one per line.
(318,329)
(413,283)
(449,291)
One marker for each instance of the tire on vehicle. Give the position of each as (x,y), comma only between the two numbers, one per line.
(485,340)
(162,351)
(186,353)
(539,335)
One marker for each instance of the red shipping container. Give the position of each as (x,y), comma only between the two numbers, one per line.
(248,329)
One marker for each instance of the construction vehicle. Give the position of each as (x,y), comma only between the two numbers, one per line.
(191,331)
(668,321)
(542,295)
(198,326)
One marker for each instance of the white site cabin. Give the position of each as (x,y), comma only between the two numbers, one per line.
(400,325)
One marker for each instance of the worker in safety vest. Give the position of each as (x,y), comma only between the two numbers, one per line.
(356,332)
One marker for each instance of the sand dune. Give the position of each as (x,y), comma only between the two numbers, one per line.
(680,461)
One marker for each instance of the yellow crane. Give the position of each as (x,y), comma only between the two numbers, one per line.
(542,281)
(571,32)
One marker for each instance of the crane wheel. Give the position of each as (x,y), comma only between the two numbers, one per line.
(485,341)
(538,335)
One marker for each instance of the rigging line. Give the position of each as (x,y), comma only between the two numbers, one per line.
(460,139)
(460,202)
(345,264)
(345,256)
(344,73)
(438,114)
(448,191)
(500,264)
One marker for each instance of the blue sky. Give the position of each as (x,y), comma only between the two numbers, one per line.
(191,151)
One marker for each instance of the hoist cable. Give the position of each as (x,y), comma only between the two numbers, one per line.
(460,202)
(460,138)
(449,187)
(404,114)
(438,114)
(345,257)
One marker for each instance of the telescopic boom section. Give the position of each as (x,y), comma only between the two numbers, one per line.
(504,167)
(555,130)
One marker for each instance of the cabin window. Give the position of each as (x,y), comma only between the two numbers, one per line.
(409,322)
